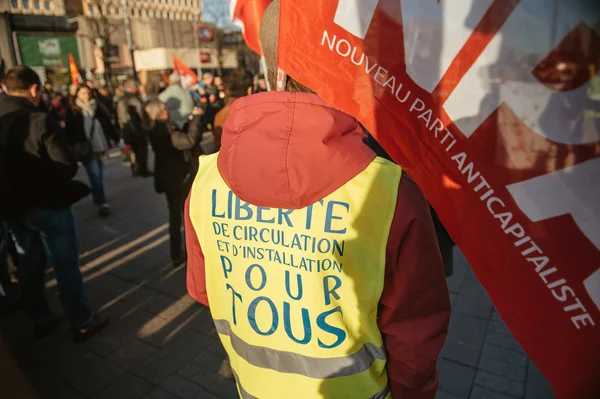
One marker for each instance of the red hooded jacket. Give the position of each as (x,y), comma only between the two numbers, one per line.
(289,150)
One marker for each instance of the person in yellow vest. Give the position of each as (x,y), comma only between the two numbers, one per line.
(318,259)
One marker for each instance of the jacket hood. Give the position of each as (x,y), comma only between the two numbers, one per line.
(289,150)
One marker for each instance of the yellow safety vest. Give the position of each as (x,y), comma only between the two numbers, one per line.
(294,293)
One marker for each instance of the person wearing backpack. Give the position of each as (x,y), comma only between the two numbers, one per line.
(37,170)
(90,134)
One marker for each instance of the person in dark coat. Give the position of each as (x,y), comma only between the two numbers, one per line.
(129,115)
(37,170)
(88,123)
(58,111)
(174,165)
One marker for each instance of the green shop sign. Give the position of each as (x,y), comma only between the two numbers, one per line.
(47,50)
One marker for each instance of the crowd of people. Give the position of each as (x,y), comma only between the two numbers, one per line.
(297,152)
(46,135)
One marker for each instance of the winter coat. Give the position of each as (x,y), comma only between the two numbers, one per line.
(36,160)
(288,151)
(173,162)
(129,115)
(76,131)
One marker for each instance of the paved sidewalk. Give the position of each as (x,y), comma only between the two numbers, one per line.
(162,345)
(481,359)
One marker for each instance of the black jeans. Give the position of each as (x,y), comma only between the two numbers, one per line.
(50,235)
(141,157)
(176,203)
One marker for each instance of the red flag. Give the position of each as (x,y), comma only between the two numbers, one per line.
(188,76)
(74,71)
(249,14)
(486,105)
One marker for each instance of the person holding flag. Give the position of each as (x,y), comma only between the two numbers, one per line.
(318,259)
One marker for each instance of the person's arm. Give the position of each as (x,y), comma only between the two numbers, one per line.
(107,126)
(189,140)
(196,279)
(55,145)
(415,305)
(182,141)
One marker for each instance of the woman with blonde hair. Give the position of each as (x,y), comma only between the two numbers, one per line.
(174,165)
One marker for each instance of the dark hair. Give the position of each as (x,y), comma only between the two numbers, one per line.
(237,83)
(76,109)
(21,78)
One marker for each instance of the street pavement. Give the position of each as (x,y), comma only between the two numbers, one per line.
(162,345)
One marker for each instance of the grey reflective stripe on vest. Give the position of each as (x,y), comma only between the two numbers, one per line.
(294,363)
(380,395)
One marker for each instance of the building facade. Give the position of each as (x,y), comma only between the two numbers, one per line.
(36,33)
(159,28)
(41,34)
(33,7)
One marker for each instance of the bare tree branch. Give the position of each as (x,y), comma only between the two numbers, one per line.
(103,27)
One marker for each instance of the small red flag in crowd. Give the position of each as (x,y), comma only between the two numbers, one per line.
(74,71)
(188,76)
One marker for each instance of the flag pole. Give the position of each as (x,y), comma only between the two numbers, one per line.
(129,38)
(263,63)
(197,41)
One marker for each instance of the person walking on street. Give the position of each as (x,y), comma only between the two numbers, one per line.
(174,167)
(36,204)
(318,259)
(210,100)
(90,132)
(179,101)
(129,114)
